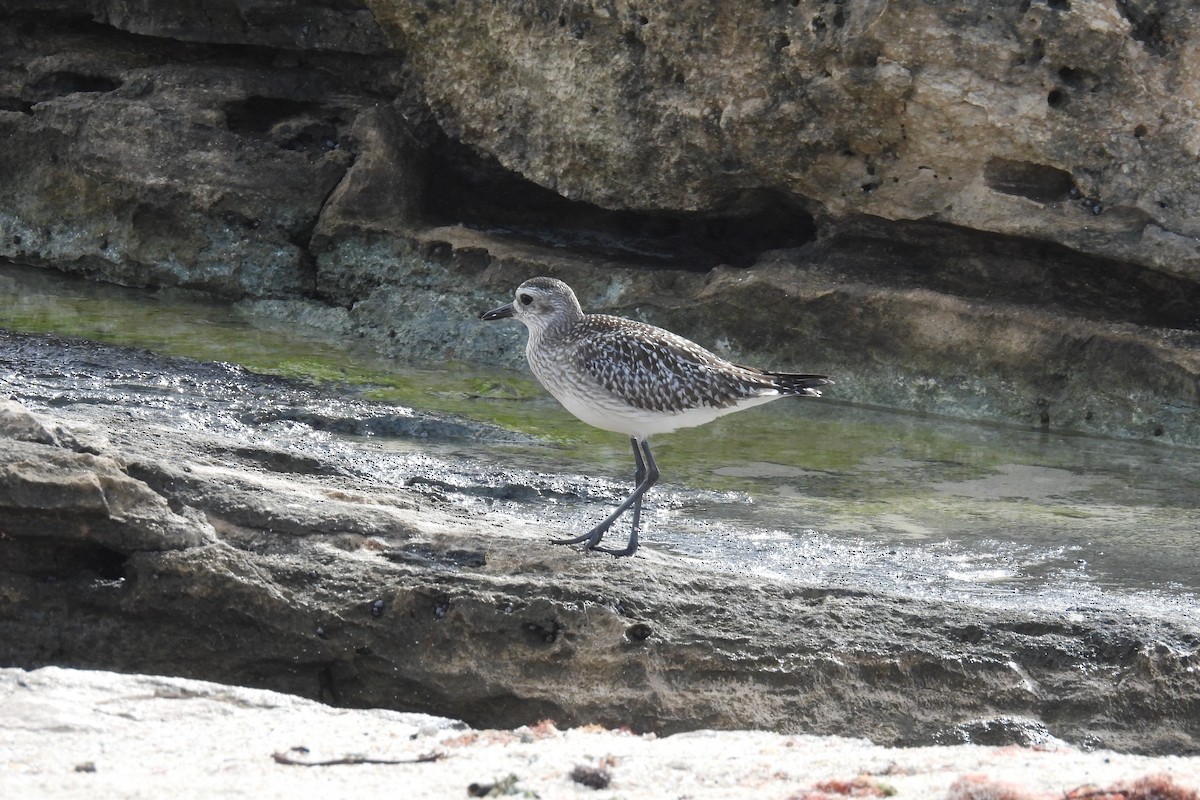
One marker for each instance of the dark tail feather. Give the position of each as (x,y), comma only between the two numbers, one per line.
(799,385)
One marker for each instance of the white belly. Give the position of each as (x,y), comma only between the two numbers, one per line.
(580,394)
(606,412)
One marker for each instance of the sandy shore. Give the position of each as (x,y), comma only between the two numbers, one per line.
(79,734)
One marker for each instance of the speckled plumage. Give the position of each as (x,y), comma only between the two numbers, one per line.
(653,369)
(633,378)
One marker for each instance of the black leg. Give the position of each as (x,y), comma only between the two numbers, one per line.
(639,475)
(645,475)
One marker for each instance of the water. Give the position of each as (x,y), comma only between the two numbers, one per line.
(928,508)
(811,492)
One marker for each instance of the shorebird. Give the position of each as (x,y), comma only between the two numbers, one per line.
(632,378)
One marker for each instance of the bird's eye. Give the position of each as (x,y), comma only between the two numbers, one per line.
(525,299)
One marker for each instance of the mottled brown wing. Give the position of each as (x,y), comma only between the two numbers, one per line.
(653,369)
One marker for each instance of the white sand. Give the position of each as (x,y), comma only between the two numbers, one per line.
(77,734)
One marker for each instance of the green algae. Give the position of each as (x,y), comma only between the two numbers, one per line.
(873,462)
(803,434)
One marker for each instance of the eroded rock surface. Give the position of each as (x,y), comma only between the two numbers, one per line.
(221,549)
(1068,122)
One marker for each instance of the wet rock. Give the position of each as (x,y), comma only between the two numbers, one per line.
(939,338)
(178,553)
(1001,731)
(49,495)
(397,423)
(16,422)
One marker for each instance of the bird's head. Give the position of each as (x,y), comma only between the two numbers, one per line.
(542,304)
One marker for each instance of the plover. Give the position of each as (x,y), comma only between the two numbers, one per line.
(632,378)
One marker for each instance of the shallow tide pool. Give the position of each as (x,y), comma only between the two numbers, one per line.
(812,491)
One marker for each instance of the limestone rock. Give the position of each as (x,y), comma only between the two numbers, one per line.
(199,553)
(152,163)
(17,422)
(67,508)
(382,189)
(1065,122)
(59,500)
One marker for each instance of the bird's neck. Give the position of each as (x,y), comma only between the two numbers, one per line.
(553,330)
